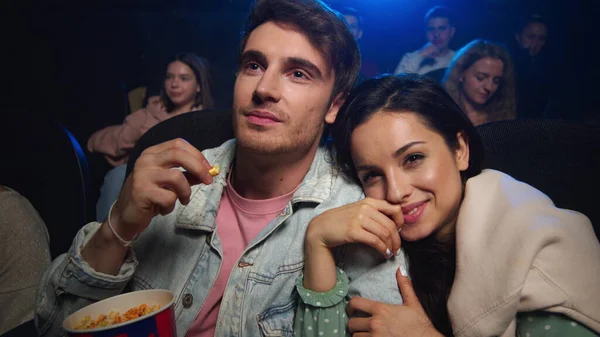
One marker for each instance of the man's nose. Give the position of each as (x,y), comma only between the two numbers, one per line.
(269,87)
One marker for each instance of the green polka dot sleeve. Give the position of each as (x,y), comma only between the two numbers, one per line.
(322,314)
(547,324)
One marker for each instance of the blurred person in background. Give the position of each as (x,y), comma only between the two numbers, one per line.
(368,68)
(534,77)
(186,87)
(24,256)
(435,54)
(481,81)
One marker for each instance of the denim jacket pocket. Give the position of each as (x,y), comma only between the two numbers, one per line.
(278,321)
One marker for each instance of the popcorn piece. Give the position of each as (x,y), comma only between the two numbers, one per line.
(215,170)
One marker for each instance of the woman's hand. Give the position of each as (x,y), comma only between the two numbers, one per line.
(370,221)
(388,320)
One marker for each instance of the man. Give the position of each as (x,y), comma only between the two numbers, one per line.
(536,80)
(231,249)
(532,35)
(435,54)
(354,21)
(368,68)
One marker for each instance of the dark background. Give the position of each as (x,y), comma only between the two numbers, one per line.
(72,61)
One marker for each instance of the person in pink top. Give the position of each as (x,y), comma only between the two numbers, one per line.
(187,87)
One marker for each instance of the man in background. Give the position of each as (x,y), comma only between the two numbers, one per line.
(435,54)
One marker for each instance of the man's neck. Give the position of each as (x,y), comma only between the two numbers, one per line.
(443,52)
(264,176)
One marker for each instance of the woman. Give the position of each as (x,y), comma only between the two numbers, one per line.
(481,80)
(481,246)
(187,87)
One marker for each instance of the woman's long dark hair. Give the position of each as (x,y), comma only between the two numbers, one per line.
(201,71)
(432,260)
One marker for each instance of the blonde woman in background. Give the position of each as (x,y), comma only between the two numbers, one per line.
(481,80)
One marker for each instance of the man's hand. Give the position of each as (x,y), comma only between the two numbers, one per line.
(151,189)
(155,185)
(429,50)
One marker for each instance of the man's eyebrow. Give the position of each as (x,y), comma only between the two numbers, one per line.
(306,64)
(253,55)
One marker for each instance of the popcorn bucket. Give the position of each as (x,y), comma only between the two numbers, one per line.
(158,323)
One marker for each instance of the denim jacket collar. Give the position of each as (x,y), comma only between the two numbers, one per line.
(201,212)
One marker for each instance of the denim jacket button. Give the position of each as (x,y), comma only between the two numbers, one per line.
(188,299)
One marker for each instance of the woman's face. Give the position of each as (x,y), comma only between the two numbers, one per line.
(181,85)
(400,160)
(481,80)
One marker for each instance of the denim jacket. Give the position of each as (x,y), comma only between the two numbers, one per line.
(182,252)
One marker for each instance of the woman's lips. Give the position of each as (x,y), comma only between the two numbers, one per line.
(413,213)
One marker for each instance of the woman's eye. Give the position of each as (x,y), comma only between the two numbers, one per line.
(368,177)
(413,158)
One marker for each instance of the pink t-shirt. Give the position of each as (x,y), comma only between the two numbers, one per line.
(239,220)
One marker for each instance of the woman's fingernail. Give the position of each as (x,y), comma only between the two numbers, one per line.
(399,229)
(398,251)
(388,253)
(403,270)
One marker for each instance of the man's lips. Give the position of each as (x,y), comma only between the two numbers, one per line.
(262,116)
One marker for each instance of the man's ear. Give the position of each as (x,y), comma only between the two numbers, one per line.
(462,152)
(452,31)
(360,33)
(334,108)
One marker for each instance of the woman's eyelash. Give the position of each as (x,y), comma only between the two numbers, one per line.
(413,158)
(365,178)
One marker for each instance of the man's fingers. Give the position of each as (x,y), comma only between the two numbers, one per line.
(171,144)
(173,180)
(181,158)
(163,200)
(192,180)
(181,144)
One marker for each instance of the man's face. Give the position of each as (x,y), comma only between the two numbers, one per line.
(533,37)
(439,32)
(282,92)
(354,25)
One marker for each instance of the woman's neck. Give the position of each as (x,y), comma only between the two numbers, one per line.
(183,108)
(476,113)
